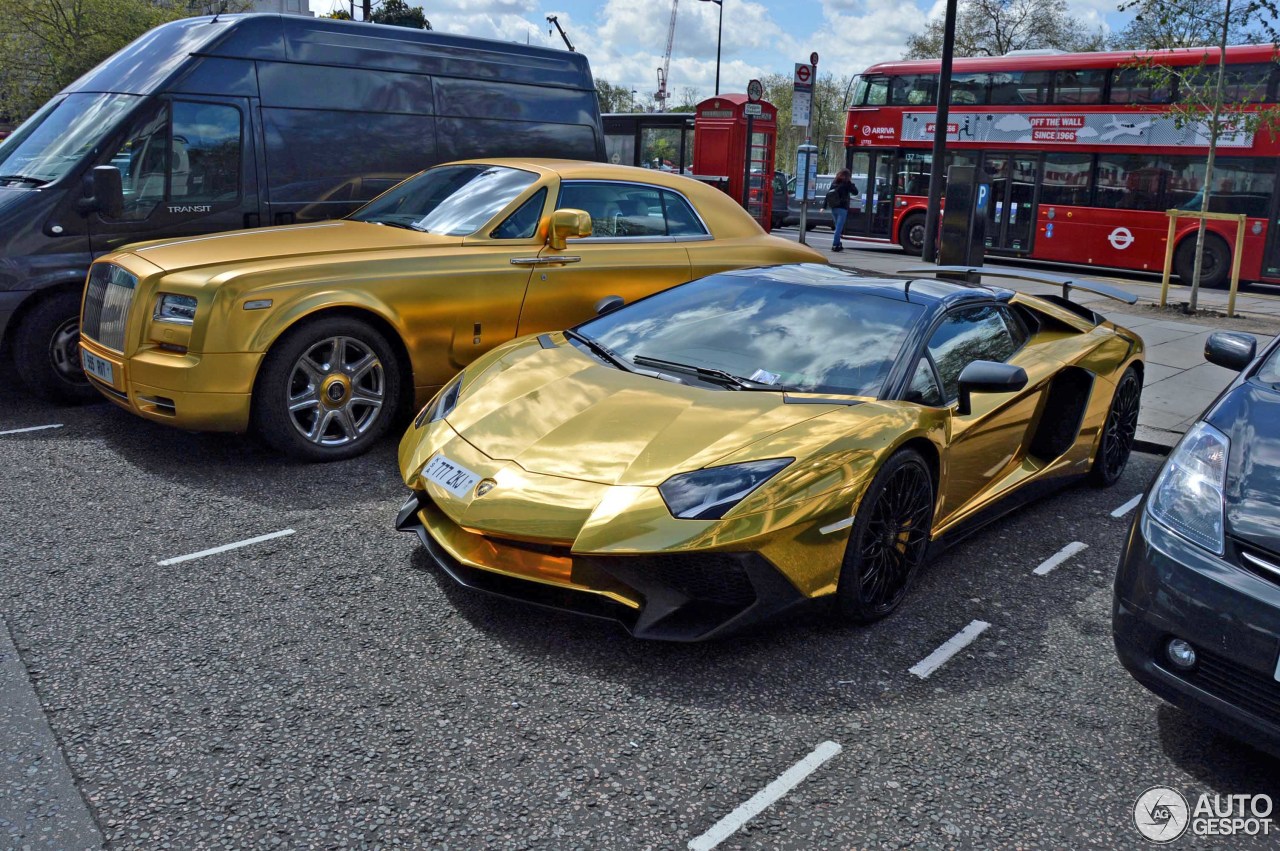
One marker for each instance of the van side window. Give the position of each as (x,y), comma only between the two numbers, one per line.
(523,223)
(143,160)
(206,153)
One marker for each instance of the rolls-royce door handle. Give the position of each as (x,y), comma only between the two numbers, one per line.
(544,261)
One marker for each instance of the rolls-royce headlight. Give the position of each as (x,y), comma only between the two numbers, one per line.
(709,494)
(178,309)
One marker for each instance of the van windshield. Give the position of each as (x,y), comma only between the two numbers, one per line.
(58,138)
(454,200)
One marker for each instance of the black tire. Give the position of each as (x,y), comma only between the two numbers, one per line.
(895,517)
(295,407)
(1116,444)
(1215,271)
(46,350)
(809,225)
(911,234)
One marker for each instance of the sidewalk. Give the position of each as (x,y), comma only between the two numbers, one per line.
(1180,384)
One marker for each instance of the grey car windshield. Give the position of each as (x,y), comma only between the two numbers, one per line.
(810,338)
(454,200)
(59,136)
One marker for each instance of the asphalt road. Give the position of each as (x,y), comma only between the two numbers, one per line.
(329,689)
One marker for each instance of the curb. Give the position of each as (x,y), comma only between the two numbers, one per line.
(1151,446)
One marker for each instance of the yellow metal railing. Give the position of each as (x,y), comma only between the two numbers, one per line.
(1237,253)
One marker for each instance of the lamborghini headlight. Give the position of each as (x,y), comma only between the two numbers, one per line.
(442,405)
(178,309)
(1187,495)
(708,494)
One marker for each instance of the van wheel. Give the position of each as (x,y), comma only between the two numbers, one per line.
(911,234)
(328,390)
(1215,270)
(46,351)
(889,540)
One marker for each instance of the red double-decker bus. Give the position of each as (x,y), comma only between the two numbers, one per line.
(1081,153)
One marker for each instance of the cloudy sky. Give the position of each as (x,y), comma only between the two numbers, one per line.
(624,39)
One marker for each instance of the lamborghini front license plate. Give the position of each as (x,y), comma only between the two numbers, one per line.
(450,475)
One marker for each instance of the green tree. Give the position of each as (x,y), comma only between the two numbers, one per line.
(1182,24)
(828,110)
(615,98)
(47,44)
(1210,101)
(996,27)
(398,13)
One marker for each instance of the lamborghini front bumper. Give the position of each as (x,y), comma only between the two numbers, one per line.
(689,596)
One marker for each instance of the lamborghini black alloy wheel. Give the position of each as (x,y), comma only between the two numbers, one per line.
(1118,433)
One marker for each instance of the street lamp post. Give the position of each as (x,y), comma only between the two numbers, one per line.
(719,31)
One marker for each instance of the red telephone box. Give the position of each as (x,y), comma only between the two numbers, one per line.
(723,125)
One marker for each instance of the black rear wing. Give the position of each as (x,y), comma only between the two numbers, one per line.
(1067,282)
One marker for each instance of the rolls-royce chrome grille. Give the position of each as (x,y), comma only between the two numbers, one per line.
(106,305)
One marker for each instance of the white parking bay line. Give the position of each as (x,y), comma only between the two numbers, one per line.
(790,779)
(1059,557)
(950,647)
(1127,507)
(222,549)
(32,428)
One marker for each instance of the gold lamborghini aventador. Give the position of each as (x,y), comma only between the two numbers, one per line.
(315,334)
(736,445)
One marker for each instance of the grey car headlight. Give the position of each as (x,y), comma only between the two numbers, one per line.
(1187,496)
(442,405)
(178,309)
(709,494)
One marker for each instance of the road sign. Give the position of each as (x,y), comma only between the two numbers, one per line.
(813,58)
(804,76)
(755,91)
(752,109)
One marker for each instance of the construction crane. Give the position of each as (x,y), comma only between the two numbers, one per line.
(552,19)
(661,95)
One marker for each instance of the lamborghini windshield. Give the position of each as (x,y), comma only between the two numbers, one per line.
(454,200)
(779,334)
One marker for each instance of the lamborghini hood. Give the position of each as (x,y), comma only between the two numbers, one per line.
(284,245)
(559,412)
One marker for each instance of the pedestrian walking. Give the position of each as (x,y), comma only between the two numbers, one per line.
(837,201)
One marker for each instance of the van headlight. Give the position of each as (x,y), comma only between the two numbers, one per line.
(709,494)
(1187,496)
(178,309)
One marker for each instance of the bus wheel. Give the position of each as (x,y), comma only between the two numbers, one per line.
(1215,269)
(327,390)
(46,351)
(911,234)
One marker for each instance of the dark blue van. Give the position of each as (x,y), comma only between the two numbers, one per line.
(214,124)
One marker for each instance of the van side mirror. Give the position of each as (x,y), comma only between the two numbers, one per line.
(107,193)
(1230,349)
(568,224)
(608,304)
(985,376)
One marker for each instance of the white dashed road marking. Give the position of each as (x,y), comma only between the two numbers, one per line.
(790,779)
(1059,557)
(32,428)
(951,647)
(222,549)
(1127,507)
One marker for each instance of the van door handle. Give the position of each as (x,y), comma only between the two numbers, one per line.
(544,261)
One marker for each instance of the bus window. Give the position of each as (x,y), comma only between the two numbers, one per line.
(1131,182)
(1138,85)
(1020,87)
(915,174)
(1081,86)
(1065,179)
(1240,184)
(876,92)
(914,90)
(969,89)
(1240,84)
